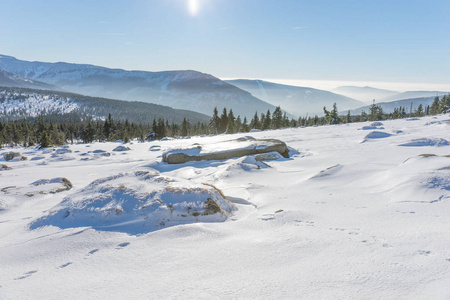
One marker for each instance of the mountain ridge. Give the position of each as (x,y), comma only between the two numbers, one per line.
(297,100)
(22,103)
(365,94)
(182,89)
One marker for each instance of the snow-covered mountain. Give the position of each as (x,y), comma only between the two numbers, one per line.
(388,107)
(412,95)
(12,80)
(365,94)
(179,89)
(296,100)
(21,103)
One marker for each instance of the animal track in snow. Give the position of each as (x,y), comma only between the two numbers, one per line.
(122,245)
(65,265)
(26,275)
(92,251)
(304,223)
(353,231)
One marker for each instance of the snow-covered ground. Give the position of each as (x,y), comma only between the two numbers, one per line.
(351,215)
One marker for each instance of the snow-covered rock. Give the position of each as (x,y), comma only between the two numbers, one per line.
(226,150)
(139,202)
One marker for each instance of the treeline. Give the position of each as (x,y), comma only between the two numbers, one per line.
(44,131)
(228,123)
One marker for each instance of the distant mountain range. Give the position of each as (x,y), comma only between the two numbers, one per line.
(365,94)
(368,94)
(21,103)
(413,95)
(187,90)
(9,79)
(296,100)
(190,90)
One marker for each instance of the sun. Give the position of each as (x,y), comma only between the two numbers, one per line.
(193,6)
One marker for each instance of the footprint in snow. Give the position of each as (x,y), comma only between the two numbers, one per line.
(424,252)
(353,231)
(92,251)
(26,275)
(65,265)
(268,217)
(304,223)
(123,245)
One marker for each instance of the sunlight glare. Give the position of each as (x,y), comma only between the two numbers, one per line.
(193,6)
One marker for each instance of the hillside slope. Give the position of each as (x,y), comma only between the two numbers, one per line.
(298,101)
(11,80)
(178,89)
(365,94)
(19,103)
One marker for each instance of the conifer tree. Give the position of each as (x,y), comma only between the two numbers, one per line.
(185,128)
(333,115)
(214,122)
(223,121)
(231,125)
(277,119)
(348,118)
(245,127)
(434,109)
(267,121)
(255,123)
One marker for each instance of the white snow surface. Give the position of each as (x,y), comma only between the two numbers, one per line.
(340,219)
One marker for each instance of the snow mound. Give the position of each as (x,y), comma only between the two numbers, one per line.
(369,127)
(139,202)
(373,125)
(121,149)
(420,179)
(155,148)
(328,171)
(42,186)
(62,151)
(377,135)
(437,142)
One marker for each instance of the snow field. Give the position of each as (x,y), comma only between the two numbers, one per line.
(339,219)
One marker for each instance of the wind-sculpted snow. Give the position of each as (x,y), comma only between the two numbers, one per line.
(430,185)
(422,142)
(377,135)
(338,219)
(139,202)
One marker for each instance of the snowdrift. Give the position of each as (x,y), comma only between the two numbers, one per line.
(139,202)
(422,142)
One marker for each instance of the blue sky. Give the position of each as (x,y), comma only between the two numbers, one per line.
(316,40)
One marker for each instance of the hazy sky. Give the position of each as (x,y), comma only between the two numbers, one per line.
(337,40)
